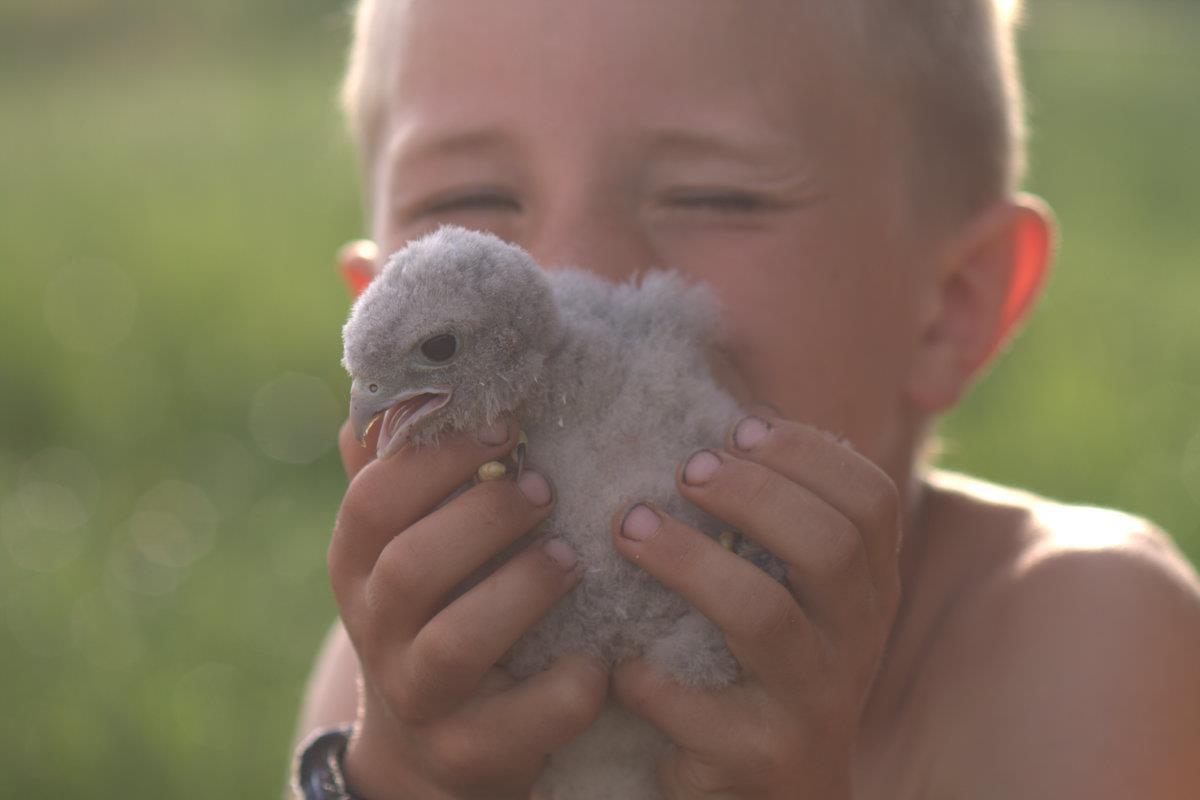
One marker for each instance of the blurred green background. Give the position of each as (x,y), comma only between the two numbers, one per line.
(173,184)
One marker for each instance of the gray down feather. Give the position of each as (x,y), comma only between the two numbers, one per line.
(612,385)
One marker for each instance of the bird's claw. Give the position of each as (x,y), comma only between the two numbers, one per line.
(495,470)
(521,449)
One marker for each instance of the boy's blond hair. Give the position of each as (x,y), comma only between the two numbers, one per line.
(949,63)
(952,66)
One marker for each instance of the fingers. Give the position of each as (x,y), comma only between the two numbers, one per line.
(386,496)
(726,739)
(456,649)
(763,625)
(825,554)
(418,569)
(849,482)
(428,660)
(519,727)
(691,718)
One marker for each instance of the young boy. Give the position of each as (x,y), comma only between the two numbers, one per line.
(842,174)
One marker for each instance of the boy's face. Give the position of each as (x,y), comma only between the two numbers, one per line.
(732,141)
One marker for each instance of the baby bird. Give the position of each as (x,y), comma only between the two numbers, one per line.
(613,389)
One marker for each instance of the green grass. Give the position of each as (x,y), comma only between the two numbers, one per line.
(1098,400)
(171,200)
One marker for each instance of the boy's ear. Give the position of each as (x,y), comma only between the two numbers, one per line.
(358,262)
(988,276)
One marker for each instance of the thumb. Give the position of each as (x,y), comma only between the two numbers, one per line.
(355,456)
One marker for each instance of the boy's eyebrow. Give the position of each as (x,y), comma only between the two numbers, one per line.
(701,142)
(417,144)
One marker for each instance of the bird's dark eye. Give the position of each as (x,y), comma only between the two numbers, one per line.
(440,349)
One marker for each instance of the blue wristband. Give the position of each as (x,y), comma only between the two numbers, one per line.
(317,766)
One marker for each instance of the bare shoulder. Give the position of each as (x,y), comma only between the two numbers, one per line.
(1070,667)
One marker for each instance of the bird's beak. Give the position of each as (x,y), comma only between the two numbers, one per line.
(365,408)
(400,412)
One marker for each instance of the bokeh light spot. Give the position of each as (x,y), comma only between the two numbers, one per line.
(65,467)
(130,568)
(42,521)
(29,542)
(89,306)
(52,505)
(295,418)
(161,538)
(173,524)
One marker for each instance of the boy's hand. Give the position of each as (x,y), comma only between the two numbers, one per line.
(436,719)
(786,729)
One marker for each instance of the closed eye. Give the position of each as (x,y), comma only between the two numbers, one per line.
(720,203)
(725,203)
(472,201)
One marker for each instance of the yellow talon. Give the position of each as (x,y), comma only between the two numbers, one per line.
(492,471)
(521,449)
(728,539)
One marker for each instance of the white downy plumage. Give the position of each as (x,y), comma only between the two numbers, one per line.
(612,385)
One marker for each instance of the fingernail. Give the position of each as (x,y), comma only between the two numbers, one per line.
(701,467)
(749,432)
(494,434)
(640,523)
(561,553)
(535,488)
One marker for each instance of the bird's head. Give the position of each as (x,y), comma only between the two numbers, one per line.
(453,333)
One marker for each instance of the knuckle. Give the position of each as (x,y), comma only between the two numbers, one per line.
(695,775)
(338,565)
(395,580)
(840,548)
(493,498)
(776,615)
(577,700)
(497,510)
(370,652)
(357,513)
(459,751)
(392,682)
(755,764)
(407,693)
(440,658)
(881,500)
(760,486)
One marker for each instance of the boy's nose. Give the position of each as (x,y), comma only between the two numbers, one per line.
(610,246)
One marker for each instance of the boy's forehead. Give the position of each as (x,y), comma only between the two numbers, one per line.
(615,53)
